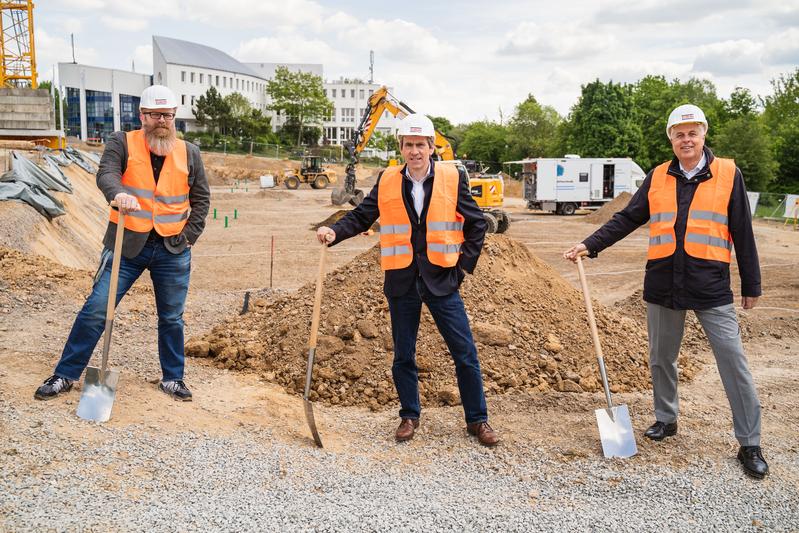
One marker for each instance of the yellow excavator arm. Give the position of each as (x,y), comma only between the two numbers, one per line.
(380,101)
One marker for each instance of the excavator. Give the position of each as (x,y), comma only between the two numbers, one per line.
(487,190)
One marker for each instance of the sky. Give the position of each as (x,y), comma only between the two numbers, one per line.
(467,61)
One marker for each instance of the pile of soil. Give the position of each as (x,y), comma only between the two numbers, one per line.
(529,323)
(30,280)
(606,212)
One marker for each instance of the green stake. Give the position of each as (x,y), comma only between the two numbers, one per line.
(225,220)
(214,213)
(235,214)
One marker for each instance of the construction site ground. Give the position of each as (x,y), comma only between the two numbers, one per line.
(240,456)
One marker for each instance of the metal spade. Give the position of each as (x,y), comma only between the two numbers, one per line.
(317,305)
(615,428)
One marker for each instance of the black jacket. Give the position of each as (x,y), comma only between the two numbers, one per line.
(439,280)
(113,164)
(681,281)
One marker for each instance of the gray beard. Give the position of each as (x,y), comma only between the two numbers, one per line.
(160,145)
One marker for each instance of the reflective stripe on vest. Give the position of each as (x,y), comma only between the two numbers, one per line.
(707,234)
(444,223)
(165,205)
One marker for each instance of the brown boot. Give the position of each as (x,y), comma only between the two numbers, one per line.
(406,429)
(485,434)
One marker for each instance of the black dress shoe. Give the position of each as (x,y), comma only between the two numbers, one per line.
(751,457)
(661,430)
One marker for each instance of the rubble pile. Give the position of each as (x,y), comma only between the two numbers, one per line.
(606,212)
(529,323)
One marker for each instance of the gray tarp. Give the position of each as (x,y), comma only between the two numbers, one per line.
(29,183)
(81,159)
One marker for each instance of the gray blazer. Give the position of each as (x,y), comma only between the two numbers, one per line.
(109,180)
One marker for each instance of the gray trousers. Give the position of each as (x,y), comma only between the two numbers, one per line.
(721,327)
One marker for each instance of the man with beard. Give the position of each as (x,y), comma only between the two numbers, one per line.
(158,182)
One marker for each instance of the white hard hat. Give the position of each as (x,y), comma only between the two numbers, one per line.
(686,114)
(417,124)
(158,97)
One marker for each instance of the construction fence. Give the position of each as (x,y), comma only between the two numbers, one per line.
(775,206)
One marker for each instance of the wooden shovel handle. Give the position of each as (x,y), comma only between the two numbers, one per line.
(317,301)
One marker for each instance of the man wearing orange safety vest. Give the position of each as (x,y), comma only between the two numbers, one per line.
(159,182)
(431,232)
(698,211)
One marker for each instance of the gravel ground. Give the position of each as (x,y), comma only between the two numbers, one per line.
(65,474)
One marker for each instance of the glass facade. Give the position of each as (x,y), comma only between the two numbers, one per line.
(99,114)
(129,112)
(72,112)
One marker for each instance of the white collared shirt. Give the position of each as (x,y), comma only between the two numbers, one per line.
(689,174)
(417,192)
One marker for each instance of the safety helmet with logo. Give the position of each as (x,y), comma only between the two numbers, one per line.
(417,124)
(685,114)
(158,97)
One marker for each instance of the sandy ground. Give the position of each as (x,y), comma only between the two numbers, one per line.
(241,405)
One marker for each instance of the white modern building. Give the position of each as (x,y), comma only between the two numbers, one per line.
(100,100)
(350,98)
(190,69)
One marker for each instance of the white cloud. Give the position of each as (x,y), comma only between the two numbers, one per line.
(568,42)
(72,25)
(730,58)
(238,14)
(80,5)
(287,48)
(52,50)
(143,58)
(657,12)
(783,48)
(124,23)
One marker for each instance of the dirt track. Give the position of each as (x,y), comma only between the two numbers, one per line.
(36,312)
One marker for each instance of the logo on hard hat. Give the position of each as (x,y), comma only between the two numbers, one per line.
(687,116)
(161,101)
(416,129)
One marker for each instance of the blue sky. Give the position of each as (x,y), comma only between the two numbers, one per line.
(463,60)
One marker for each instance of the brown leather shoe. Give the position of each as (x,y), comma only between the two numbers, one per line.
(485,434)
(406,429)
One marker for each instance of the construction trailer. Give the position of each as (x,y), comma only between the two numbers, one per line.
(565,185)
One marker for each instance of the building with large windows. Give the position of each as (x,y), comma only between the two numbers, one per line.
(100,100)
(91,93)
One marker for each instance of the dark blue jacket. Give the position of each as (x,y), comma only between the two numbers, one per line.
(439,280)
(681,281)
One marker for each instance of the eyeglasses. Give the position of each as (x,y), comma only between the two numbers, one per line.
(157,116)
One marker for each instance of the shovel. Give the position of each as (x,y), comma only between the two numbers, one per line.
(615,428)
(100,384)
(317,304)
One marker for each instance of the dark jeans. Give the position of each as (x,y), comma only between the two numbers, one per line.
(450,317)
(170,275)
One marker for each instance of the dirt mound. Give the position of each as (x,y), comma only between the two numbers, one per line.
(31,280)
(74,239)
(335,217)
(529,324)
(606,212)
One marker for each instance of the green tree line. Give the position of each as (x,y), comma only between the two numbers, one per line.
(629,120)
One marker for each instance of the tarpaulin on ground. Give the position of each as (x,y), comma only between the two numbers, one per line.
(29,183)
(81,160)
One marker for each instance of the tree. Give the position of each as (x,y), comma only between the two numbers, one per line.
(58,102)
(484,141)
(442,125)
(602,123)
(300,96)
(532,131)
(781,117)
(212,111)
(384,142)
(744,138)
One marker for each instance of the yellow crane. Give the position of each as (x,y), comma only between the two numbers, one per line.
(16,39)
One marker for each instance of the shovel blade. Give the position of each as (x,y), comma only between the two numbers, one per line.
(97,398)
(312,422)
(616,432)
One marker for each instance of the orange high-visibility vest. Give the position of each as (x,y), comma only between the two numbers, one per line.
(444,223)
(707,234)
(164,206)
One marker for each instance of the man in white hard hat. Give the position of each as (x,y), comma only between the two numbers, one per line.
(697,210)
(431,233)
(159,182)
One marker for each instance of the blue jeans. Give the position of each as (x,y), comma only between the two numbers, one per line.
(450,318)
(170,275)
